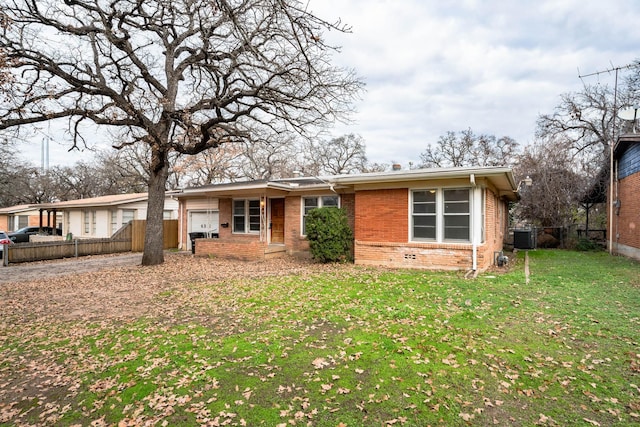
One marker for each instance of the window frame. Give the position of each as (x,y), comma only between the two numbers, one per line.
(86,222)
(454,214)
(433,214)
(441,214)
(249,216)
(320,203)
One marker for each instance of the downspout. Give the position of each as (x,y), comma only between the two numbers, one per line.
(474,239)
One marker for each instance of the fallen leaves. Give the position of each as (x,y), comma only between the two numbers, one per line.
(173,345)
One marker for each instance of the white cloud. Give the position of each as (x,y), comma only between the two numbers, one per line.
(492,66)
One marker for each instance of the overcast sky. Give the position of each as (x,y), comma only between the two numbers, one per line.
(432,66)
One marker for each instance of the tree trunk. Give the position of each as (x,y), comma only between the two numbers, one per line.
(153,237)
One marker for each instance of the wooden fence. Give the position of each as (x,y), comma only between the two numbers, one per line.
(130,238)
(38,251)
(169,229)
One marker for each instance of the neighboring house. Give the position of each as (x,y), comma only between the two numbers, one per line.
(452,219)
(625,235)
(94,217)
(103,216)
(13,218)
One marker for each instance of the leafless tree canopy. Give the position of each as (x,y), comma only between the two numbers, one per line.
(557,185)
(468,149)
(175,75)
(342,155)
(582,120)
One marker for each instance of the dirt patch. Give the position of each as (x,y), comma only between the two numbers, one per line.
(107,287)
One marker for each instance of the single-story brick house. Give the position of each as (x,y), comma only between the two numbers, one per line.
(625,234)
(453,218)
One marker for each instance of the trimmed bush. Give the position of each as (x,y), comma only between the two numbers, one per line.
(330,237)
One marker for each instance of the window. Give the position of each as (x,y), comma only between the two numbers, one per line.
(441,215)
(114,221)
(424,214)
(87,222)
(23,221)
(310,203)
(246,216)
(456,215)
(128,215)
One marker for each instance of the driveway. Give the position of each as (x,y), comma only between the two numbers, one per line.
(30,271)
(117,286)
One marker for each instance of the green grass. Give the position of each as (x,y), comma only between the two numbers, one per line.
(364,347)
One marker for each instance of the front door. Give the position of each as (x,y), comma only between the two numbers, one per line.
(277,220)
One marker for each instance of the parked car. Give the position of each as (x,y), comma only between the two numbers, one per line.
(22,235)
(4,240)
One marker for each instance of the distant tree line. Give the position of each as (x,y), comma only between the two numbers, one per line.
(127,170)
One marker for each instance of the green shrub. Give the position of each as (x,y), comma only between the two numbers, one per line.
(330,237)
(586,245)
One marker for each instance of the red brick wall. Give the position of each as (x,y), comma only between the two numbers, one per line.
(382,215)
(348,203)
(414,255)
(295,243)
(382,235)
(225,216)
(248,248)
(496,215)
(627,222)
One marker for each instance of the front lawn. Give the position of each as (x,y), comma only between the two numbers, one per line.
(344,346)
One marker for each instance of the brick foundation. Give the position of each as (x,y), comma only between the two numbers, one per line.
(430,256)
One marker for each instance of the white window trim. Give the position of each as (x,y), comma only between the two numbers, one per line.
(247,228)
(320,205)
(440,215)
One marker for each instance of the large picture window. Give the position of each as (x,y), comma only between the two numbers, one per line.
(310,203)
(441,215)
(246,216)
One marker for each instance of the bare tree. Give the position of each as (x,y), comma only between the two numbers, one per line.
(208,167)
(552,199)
(269,156)
(175,75)
(583,121)
(469,149)
(342,155)
(5,75)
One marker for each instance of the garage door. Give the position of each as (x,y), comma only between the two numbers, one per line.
(203,222)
